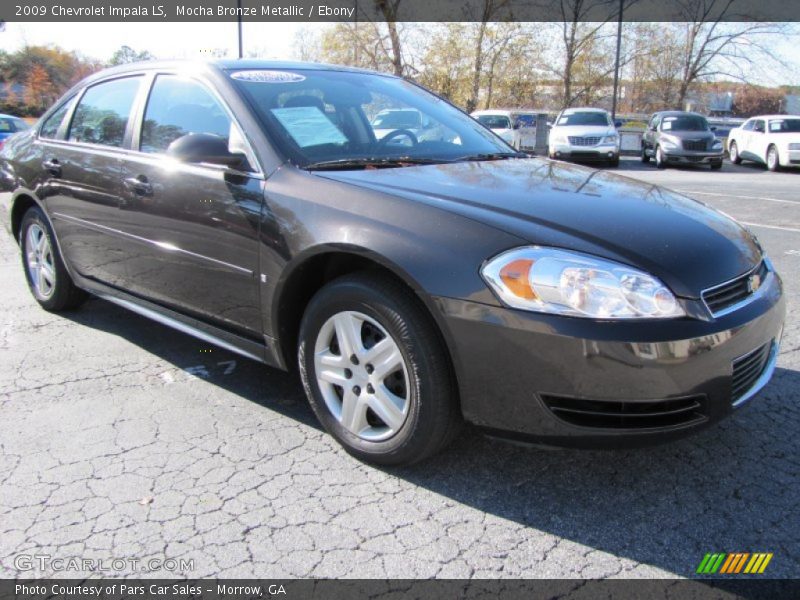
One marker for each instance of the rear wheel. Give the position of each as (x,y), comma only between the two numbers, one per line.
(773,161)
(45,272)
(376,371)
(733,150)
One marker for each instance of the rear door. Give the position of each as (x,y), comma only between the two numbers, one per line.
(82,159)
(192,228)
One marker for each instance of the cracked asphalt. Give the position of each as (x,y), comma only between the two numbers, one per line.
(120,438)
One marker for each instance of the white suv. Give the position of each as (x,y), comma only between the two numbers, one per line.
(584,134)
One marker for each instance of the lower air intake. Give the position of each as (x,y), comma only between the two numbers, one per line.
(640,414)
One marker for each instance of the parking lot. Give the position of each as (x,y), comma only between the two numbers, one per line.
(120,438)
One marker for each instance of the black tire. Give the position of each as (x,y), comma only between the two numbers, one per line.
(773,161)
(660,162)
(614,162)
(62,294)
(433,417)
(716,166)
(645,158)
(733,152)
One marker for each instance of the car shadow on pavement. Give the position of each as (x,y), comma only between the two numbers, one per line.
(734,487)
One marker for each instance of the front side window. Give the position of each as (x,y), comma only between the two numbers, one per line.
(51,126)
(178,106)
(315,116)
(102,114)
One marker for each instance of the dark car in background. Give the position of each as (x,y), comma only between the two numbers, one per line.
(415,285)
(678,137)
(9,125)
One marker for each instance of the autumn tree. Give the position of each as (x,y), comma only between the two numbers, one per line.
(751,100)
(39,90)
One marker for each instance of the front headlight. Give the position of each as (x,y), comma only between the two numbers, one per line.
(571,283)
(559,139)
(669,143)
(610,139)
(717,145)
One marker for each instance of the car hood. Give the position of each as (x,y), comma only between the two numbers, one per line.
(685,243)
(691,135)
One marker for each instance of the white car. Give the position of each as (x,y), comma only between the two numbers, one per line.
(773,140)
(516,127)
(584,134)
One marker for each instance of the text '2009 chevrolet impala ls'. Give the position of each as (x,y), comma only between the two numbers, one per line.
(417,279)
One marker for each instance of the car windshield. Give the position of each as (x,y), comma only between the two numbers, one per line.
(584,118)
(684,123)
(397,119)
(317,116)
(784,126)
(495,121)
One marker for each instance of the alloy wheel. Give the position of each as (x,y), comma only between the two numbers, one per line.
(40,261)
(362,375)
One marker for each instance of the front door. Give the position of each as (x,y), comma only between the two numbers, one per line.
(193,229)
(83,165)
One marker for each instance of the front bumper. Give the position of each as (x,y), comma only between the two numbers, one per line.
(521,373)
(602,152)
(680,156)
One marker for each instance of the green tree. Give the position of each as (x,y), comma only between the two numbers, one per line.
(126,54)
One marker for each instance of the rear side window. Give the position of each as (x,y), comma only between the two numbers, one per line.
(177,107)
(51,126)
(102,114)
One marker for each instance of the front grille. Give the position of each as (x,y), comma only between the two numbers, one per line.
(723,296)
(747,369)
(583,141)
(794,146)
(694,144)
(612,414)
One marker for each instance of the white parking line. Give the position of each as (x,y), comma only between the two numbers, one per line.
(742,197)
(792,229)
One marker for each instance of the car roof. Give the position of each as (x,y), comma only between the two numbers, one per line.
(774,117)
(679,113)
(570,111)
(220,65)
(6,116)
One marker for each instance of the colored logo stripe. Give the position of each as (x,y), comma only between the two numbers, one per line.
(734,562)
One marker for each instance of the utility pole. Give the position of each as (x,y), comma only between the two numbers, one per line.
(616,63)
(239,25)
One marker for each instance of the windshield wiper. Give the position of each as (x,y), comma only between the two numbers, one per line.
(371,161)
(491,156)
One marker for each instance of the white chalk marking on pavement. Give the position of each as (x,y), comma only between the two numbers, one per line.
(792,229)
(782,201)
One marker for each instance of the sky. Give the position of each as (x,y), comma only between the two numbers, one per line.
(269,40)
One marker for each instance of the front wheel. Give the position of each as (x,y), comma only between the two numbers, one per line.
(45,272)
(716,166)
(645,157)
(733,151)
(661,161)
(773,161)
(376,372)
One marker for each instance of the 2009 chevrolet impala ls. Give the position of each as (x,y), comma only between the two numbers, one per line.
(417,277)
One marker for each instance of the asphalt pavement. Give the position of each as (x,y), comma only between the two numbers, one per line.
(121,438)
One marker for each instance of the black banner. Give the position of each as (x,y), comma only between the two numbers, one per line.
(402,11)
(289,589)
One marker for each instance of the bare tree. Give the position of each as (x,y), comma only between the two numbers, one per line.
(713,46)
(388,9)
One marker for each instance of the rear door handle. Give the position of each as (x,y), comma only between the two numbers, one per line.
(53,167)
(139,185)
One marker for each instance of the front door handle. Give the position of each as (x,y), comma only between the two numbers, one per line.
(139,185)
(53,167)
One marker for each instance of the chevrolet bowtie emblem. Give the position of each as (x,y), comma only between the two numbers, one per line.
(753,283)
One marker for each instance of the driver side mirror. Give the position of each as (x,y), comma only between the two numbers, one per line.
(617,124)
(713,128)
(205,148)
